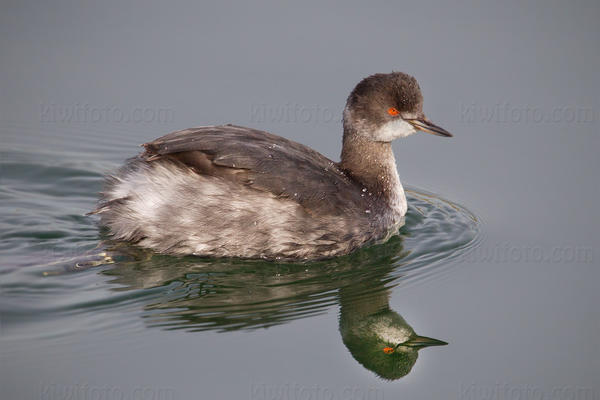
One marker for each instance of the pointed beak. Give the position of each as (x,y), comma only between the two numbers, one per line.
(425,125)
(422,341)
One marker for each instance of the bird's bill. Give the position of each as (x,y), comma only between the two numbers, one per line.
(429,127)
(422,341)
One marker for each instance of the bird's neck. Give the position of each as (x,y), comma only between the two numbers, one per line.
(374,166)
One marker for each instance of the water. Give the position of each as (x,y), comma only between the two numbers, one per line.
(499,256)
(63,278)
(71,297)
(60,267)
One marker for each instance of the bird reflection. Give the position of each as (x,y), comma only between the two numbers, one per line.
(378,337)
(198,294)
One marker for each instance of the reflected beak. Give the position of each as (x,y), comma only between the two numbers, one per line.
(422,341)
(429,127)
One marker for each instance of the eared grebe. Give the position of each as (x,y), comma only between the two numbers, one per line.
(231,191)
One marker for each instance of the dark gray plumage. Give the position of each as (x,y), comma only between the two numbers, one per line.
(263,162)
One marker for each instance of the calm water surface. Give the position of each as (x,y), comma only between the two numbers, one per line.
(501,262)
(62,277)
(81,314)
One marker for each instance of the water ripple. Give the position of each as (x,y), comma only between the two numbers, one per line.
(55,266)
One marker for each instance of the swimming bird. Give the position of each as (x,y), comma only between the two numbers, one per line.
(232,191)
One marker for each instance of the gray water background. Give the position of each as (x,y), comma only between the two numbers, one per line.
(516,83)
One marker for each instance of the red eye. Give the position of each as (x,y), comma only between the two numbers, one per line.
(393,112)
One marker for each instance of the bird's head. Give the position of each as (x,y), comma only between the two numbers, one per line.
(384,107)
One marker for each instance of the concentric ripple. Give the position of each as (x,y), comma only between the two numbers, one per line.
(56,271)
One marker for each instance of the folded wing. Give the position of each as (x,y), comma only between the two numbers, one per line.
(263,162)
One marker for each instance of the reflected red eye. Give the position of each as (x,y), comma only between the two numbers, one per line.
(393,112)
